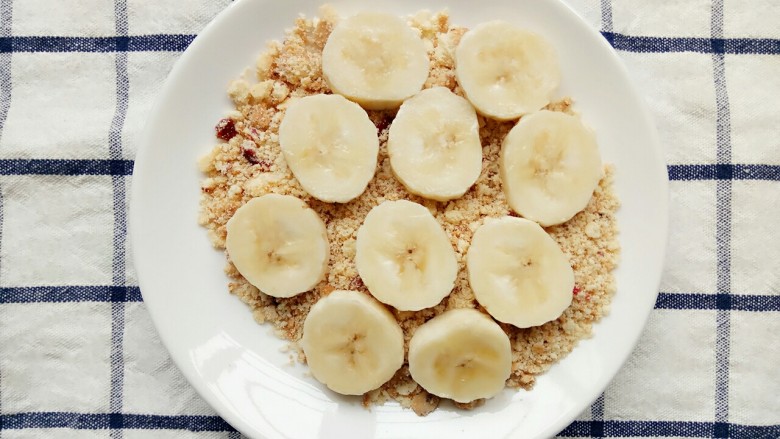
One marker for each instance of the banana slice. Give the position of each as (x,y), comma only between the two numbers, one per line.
(506,71)
(404,256)
(434,145)
(461,354)
(518,272)
(330,145)
(278,244)
(375,59)
(352,343)
(550,166)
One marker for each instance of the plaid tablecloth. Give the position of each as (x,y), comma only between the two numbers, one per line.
(79,356)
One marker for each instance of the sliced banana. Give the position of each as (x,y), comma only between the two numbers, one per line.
(404,257)
(375,59)
(330,145)
(550,166)
(434,145)
(460,354)
(518,272)
(278,244)
(352,343)
(506,71)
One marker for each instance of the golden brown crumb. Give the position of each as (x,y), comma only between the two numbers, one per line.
(563,106)
(251,164)
(424,403)
(470,405)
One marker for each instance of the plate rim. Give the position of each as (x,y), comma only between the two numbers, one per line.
(146,140)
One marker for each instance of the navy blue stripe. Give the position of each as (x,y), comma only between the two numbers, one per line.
(61,294)
(722,231)
(606,16)
(135,43)
(6,18)
(196,423)
(671,301)
(606,20)
(120,224)
(724,302)
(1,269)
(125,167)
(179,42)
(724,171)
(5,88)
(670,428)
(597,417)
(102,421)
(731,46)
(191,423)
(65,167)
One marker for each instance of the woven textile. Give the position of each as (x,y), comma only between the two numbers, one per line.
(79,356)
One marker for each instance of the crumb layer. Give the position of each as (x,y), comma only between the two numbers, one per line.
(250,164)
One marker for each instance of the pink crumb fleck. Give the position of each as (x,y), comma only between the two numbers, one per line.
(226,129)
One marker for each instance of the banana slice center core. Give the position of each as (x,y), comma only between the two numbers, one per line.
(442,146)
(548,156)
(520,278)
(330,149)
(371,56)
(355,347)
(411,258)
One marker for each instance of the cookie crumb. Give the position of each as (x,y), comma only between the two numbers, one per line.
(424,403)
(291,69)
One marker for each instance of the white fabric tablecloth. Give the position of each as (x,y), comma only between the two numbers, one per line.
(79,356)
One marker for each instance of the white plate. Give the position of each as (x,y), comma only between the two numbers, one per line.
(237,366)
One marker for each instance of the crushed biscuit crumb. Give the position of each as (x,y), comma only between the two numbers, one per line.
(292,69)
(424,403)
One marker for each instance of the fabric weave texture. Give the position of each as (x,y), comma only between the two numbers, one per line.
(79,356)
